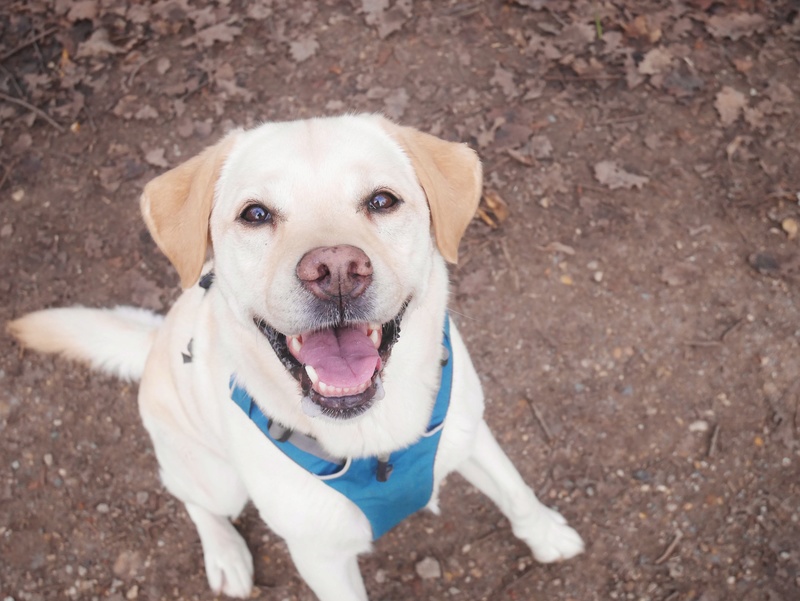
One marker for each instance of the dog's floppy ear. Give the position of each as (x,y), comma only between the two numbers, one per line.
(451,175)
(176,207)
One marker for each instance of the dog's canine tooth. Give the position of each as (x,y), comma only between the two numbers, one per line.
(312,373)
(375,337)
(295,344)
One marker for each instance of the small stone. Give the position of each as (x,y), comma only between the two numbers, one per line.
(103,508)
(428,569)
(18,194)
(142,497)
(48,459)
(597,276)
(789,226)
(380,576)
(700,425)
(127,564)
(133,593)
(6,230)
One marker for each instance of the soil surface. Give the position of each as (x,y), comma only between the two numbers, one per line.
(628,291)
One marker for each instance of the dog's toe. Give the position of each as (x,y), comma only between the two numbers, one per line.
(550,538)
(229,567)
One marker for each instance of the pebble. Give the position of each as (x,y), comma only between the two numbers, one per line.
(789,226)
(142,497)
(133,593)
(6,230)
(18,195)
(48,459)
(597,276)
(102,508)
(428,569)
(700,425)
(380,576)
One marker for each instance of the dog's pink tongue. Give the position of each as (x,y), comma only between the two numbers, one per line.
(342,357)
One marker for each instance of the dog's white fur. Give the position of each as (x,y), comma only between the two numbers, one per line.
(315,176)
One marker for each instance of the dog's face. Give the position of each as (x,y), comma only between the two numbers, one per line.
(321,232)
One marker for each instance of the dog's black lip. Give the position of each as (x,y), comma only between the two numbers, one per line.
(335,407)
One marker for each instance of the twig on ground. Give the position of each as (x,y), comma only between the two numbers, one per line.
(7,172)
(511,266)
(712,443)
(670,548)
(37,111)
(30,42)
(540,420)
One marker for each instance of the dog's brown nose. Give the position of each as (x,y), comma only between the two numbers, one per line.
(335,271)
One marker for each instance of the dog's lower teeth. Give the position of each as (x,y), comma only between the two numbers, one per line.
(310,408)
(379,392)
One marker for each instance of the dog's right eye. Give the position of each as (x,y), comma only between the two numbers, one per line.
(256,214)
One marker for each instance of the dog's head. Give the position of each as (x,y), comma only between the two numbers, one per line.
(323,232)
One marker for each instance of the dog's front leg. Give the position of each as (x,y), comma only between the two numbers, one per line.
(544,530)
(332,573)
(229,564)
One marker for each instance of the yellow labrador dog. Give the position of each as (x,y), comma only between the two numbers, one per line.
(310,366)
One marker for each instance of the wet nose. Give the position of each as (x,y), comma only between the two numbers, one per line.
(335,271)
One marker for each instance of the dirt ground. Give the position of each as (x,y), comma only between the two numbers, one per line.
(628,292)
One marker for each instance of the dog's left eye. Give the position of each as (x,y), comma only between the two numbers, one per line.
(382,201)
(255,214)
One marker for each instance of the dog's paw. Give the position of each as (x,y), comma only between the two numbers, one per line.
(229,566)
(550,538)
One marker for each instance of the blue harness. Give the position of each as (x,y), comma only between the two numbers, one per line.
(386,490)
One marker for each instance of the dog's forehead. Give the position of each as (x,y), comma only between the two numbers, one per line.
(348,154)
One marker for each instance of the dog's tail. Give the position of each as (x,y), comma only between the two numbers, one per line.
(116,341)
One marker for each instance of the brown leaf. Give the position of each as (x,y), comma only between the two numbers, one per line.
(735,26)
(520,157)
(221,32)
(493,210)
(505,81)
(655,61)
(155,157)
(83,9)
(612,175)
(304,48)
(97,45)
(729,104)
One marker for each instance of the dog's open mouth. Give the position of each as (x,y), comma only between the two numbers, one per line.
(339,368)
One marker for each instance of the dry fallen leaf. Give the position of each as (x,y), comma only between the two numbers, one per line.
(493,210)
(505,81)
(736,25)
(221,32)
(155,157)
(655,61)
(304,48)
(729,104)
(612,175)
(97,45)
